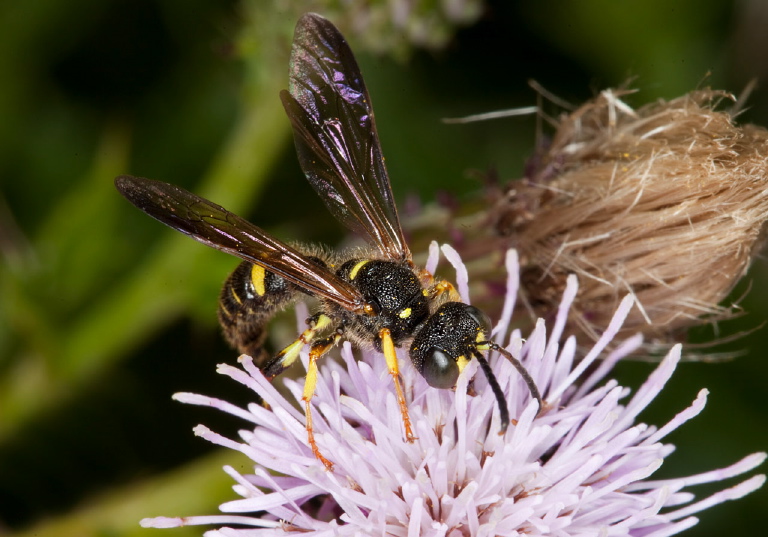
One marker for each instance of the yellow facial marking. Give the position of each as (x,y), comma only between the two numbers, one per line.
(404,314)
(462,362)
(356,269)
(257,277)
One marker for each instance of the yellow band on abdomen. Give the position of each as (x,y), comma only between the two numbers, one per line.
(257,277)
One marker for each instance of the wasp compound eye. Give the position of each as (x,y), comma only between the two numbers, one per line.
(439,369)
(480,317)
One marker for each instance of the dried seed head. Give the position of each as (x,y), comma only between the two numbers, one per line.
(665,202)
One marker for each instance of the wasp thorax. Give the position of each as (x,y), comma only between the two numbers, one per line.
(394,292)
(446,342)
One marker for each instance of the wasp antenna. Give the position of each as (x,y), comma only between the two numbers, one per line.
(520,369)
(502,402)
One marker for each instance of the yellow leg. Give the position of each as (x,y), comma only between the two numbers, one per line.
(444,286)
(388,347)
(286,357)
(318,349)
(435,288)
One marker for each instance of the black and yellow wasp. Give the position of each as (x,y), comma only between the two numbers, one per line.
(374,297)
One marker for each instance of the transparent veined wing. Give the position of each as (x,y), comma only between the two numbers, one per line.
(218,228)
(335,135)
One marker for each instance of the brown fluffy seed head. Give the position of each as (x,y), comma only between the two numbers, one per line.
(665,202)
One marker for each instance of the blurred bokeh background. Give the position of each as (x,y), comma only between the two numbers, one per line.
(104,313)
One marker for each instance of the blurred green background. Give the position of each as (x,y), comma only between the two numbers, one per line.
(104,313)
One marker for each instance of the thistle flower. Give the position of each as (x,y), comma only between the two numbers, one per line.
(584,466)
(665,202)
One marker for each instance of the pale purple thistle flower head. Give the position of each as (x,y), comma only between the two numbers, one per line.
(582,467)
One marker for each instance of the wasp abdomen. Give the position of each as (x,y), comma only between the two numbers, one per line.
(250,297)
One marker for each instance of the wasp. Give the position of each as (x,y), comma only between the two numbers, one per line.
(372,297)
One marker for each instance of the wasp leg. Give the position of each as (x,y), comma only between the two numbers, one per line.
(435,287)
(388,348)
(444,286)
(319,348)
(286,357)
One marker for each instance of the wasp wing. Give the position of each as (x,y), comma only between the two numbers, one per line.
(214,226)
(335,135)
